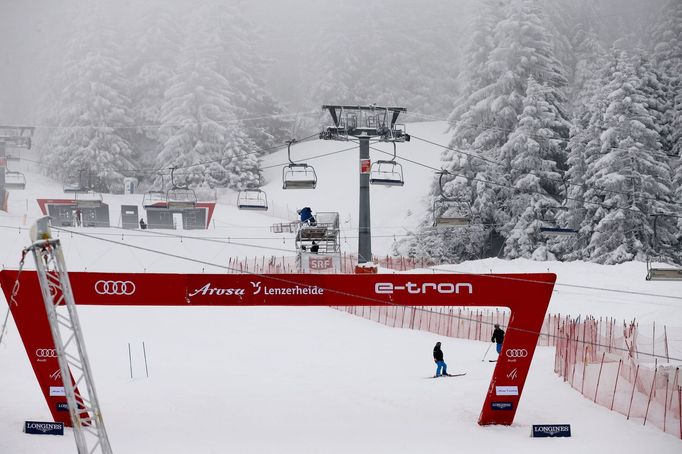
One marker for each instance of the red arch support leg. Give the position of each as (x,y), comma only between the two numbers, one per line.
(527,295)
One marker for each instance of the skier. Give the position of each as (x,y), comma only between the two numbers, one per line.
(307,216)
(438,359)
(498,337)
(143,225)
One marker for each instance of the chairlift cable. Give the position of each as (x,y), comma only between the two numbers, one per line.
(389,303)
(527,191)
(177,125)
(554,180)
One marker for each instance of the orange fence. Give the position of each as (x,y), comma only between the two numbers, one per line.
(628,368)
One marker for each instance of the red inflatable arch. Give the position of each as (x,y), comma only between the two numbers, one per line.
(527,295)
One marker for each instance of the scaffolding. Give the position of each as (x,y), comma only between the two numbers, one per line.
(84,409)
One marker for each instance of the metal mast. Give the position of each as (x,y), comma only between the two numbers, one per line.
(364,123)
(86,417)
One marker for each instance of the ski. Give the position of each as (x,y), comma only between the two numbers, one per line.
(448,375)
(492,360)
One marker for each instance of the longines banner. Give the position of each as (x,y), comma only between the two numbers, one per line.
(44,428)
(527,295)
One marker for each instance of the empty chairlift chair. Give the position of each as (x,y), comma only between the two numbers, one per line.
(662,274)
(15,180)
(449,211)
(88,199)
(298,175)
(77,183)
(180,197)
(387,172)
(153,199)
(670,273)
(252,199)
(550,225)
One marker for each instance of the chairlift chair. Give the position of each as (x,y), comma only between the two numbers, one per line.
(88,199)
(298,175)
(154,199)
(252,199)
(451,213)
(180,197)
(661,274)
(387,172)
(550,227)
(448,211)
(78,185)
(14,180)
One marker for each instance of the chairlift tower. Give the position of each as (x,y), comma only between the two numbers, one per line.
(365,123)
(17,137)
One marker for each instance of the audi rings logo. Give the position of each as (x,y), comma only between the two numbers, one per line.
(516,353)
(46,353)
(126,288)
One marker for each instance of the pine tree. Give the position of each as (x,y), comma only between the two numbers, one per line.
(519,48)
(530,155)
(240,61)
(632,167)
(92,112)
(667,57)
(156,47)
(198,120)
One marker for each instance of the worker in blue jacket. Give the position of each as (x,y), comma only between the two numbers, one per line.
(307,216)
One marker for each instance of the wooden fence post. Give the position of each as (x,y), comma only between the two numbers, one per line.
(651,393)
(634,385)
(615,386)
(599,377)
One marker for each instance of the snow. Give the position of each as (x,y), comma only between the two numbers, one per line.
(309,380)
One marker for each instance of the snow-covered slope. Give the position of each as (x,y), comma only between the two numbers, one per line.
(308,380)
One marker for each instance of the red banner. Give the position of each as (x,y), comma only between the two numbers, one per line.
(527,295)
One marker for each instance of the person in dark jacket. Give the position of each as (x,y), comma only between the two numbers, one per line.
(498,337)
(143,225)
(307,216)
(438,359)
(315,248)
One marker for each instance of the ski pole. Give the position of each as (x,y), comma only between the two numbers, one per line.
(486,352)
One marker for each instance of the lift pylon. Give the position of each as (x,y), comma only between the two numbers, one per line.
(81,398)
(363,123)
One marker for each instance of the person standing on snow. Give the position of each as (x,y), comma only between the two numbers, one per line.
(438,359)
(498,337)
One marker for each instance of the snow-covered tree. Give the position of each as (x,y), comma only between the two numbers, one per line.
(667,57)
(156,45)
(203,138)
(530,155)
(92,112)
(240,60)
(630,180)
(514,47)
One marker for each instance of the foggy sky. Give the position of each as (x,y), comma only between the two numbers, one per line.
(34,35)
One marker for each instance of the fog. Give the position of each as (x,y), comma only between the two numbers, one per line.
(35,34)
